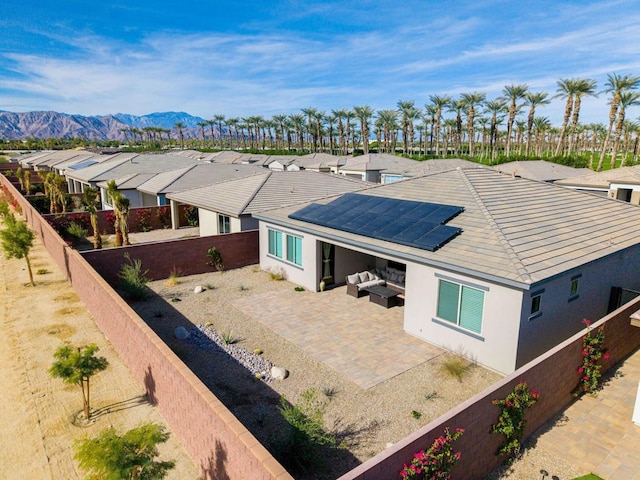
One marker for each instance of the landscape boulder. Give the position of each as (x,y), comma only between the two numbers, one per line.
(279,373)
(198,289)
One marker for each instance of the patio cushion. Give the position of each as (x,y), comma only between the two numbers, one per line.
(363,277)
(353,278)
(401,279)
(370,283)
(371,276)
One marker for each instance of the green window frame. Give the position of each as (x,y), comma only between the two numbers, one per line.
(275,243)
(294,249)
(461,305)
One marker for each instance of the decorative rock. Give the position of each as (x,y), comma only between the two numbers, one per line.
(279,373)
(198,289)
(389,444)
(181,333)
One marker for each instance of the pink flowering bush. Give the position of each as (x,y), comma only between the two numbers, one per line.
(592,351)
(437,461)
(511,422)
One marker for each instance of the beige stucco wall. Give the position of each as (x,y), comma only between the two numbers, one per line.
(495,347)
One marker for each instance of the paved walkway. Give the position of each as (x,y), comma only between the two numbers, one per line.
(364,341)
(597,434)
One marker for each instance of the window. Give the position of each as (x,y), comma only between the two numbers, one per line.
(293,245)
(294,249)
(224,224)
(275,243)
(574,287)
(461,305)
(536,304)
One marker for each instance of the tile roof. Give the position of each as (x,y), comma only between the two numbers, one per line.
(603,179)
(540,170)
(194,176)
(264,191)
(128,182)
(514,230)
(376,161)
(120,167)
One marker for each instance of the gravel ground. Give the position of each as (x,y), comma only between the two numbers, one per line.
(365,421)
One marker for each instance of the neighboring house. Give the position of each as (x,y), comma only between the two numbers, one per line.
(45,161)
(418,169)
(540,170)
(619,183)
(155,189)
(316,162)
(127,186)
(228,207)
(370,167)
(121,166)
(531,261)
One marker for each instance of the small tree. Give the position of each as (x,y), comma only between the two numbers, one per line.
(91,202)
(215,259)
(110,456)
(76,366)
(17,240)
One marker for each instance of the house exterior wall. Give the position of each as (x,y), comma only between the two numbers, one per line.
(304,276)
(495,347)
(149,200)
(208,222)
(635,192)
(561,314)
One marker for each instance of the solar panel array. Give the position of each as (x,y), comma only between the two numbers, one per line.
(406,222)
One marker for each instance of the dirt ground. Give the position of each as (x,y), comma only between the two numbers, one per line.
(36,411)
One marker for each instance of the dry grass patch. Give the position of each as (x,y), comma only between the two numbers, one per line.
(455,366)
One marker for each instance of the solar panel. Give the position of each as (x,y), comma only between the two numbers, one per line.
(406,222)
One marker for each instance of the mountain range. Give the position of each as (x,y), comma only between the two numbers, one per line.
(104,127)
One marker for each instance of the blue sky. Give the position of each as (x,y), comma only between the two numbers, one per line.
(247,57)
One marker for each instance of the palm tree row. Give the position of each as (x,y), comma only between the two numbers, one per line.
(468,125)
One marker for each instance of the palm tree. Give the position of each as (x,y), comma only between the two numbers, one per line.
(471,101)
(364,114)
(179,126)
(457,106)
(409,113)
(627,99)
(615,85)
(533,100)
(439,102)
(310,113)
(219,118)
(231,123)
(338,116)
(585,87)
(389,125)
(512,93)
(279,122)
(567,88)
(91,202)
(297,120)
(494,107)
(202,125)
(211,123)
(120,205)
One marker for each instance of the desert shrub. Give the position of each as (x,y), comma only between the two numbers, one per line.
(76,230)
(278,274)
(305,436)
(133,281)
(455,367)
(191,216)
(214,259)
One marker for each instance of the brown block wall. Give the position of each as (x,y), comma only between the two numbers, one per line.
(214,438)
(186,256)
(553,374)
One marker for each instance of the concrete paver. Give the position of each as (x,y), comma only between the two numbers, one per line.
(598,434)
(364,341)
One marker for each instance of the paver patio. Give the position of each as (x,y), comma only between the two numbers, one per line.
(596,433)
(364,341)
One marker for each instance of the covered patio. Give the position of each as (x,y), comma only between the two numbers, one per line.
(362,340)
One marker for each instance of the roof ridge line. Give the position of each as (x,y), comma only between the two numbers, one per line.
(522,270)
(267,176)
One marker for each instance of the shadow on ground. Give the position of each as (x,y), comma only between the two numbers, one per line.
(251,400)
